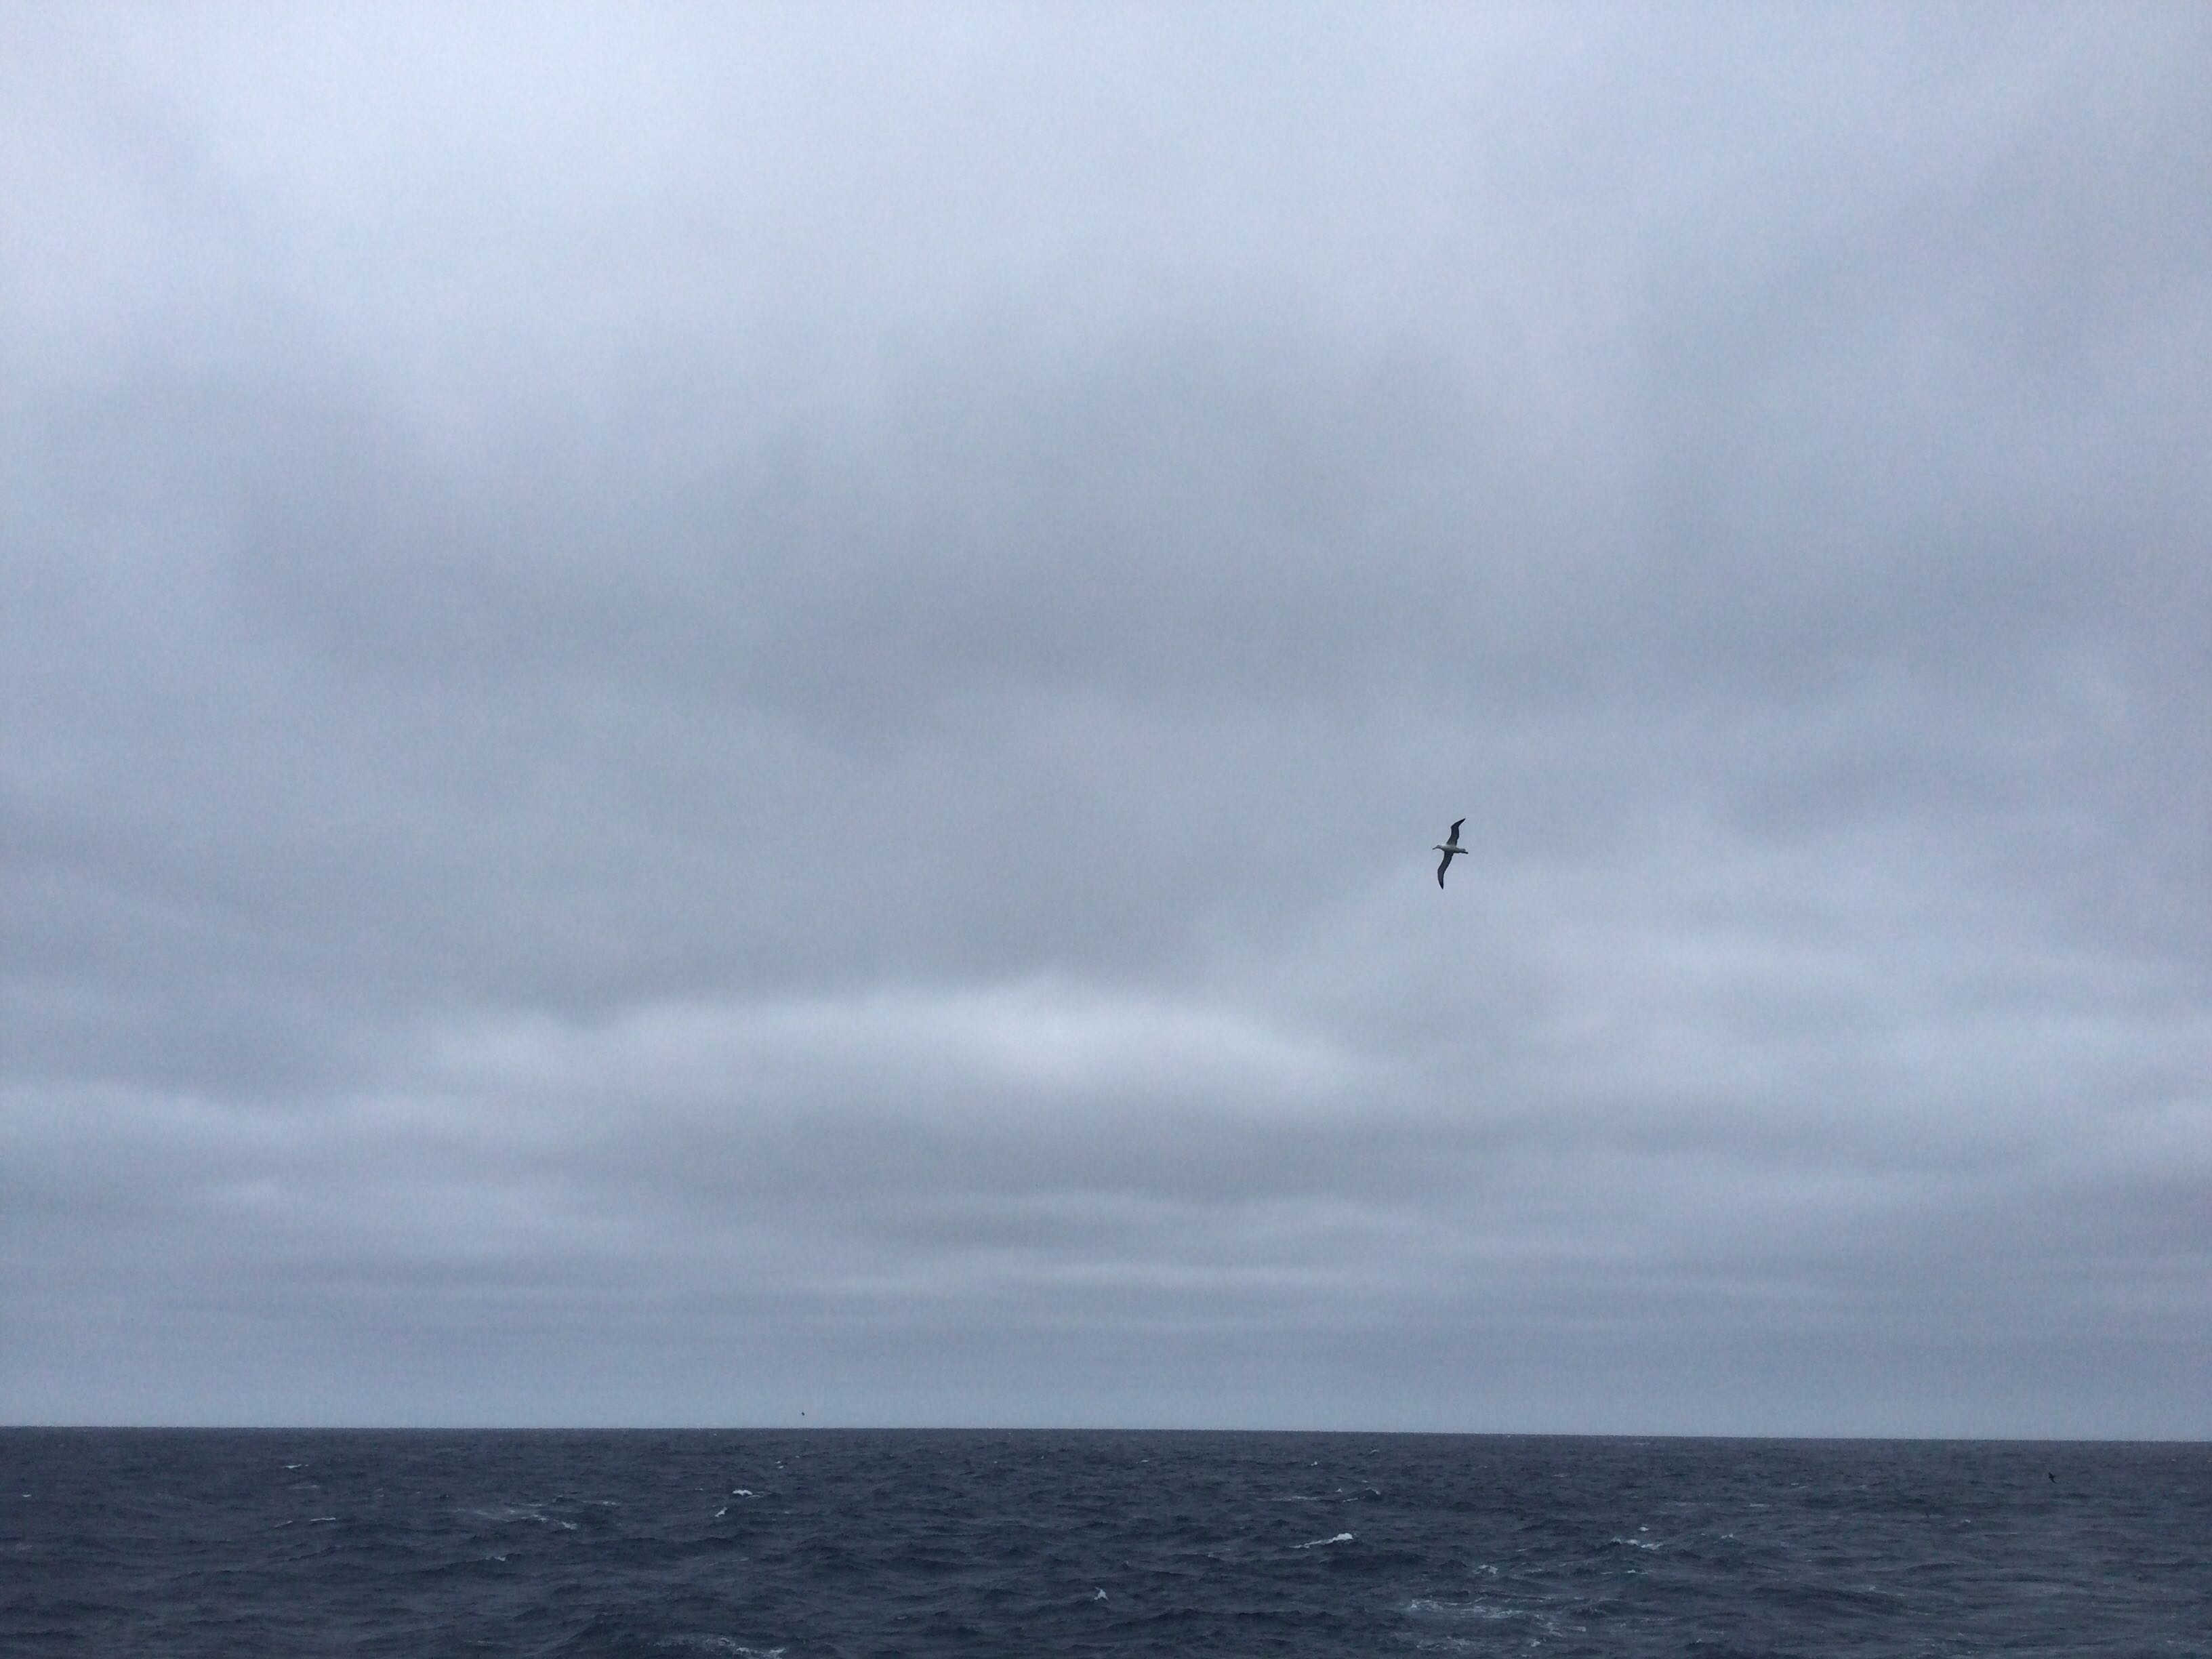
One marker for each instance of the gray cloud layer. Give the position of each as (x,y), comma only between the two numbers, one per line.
(716,715)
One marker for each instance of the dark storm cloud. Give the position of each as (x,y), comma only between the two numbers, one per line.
(717,714)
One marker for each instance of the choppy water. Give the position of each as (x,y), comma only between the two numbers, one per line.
(968,1543)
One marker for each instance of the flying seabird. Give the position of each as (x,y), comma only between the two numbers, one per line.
(1451,849)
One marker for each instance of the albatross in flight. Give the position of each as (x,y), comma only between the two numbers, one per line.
(1451,848)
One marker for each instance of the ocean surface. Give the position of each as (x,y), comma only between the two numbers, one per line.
(962,1542)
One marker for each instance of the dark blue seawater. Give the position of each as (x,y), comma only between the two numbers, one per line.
(831,1542)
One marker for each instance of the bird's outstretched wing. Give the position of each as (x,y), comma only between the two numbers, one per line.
(1445,865)
(1452,840)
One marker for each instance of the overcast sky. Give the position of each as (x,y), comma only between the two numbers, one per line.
(712,713)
